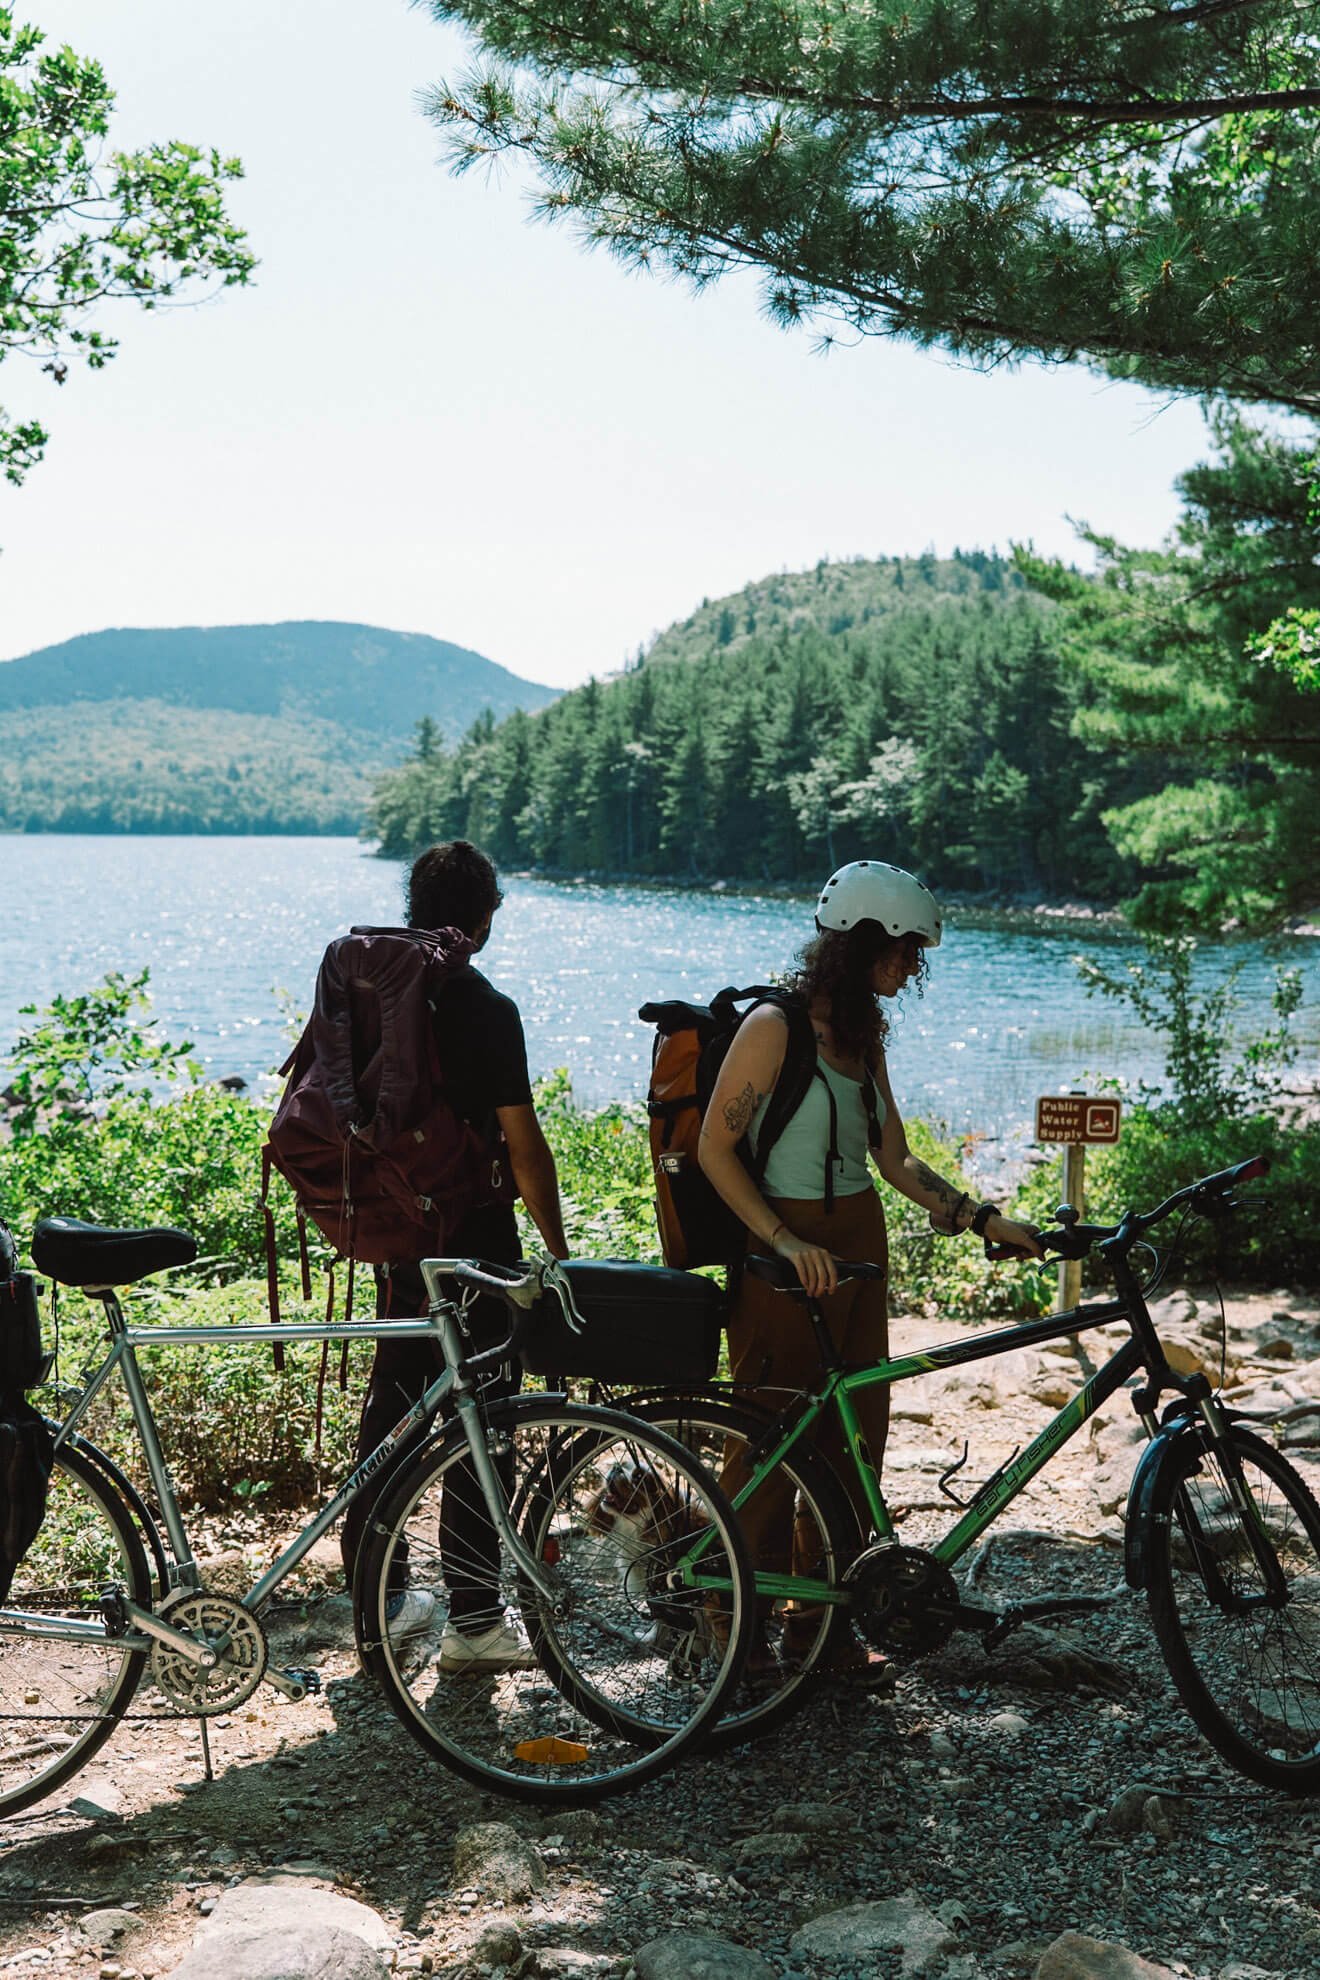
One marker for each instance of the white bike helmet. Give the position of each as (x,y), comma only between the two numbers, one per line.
(869,890)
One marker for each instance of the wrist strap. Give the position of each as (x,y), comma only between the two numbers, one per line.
(770,1241)
(984,1213)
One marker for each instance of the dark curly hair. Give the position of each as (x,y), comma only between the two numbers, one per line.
(452,886)
(835,969)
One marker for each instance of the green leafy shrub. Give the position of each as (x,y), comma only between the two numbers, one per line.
(1272,1240)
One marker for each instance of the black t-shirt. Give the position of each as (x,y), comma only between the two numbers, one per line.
(483,1055)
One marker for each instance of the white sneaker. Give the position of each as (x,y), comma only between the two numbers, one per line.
(409,1613)
(498,1648)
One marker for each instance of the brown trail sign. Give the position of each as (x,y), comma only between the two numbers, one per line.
(1076,1118)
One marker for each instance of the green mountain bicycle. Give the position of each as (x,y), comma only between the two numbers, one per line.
(1223,1535)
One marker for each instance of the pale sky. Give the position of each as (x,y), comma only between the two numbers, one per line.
(434,414)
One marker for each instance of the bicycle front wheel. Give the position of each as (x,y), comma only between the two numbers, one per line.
(1245,1661)
(62,1696)
(616,1672)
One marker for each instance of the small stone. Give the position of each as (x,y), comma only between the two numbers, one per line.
(500,1944)
(942,1747)
(1009,1725)
(110,1926)
(810,1818)
(499,1860)
(780,1848)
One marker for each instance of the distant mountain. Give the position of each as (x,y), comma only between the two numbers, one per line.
(228,728)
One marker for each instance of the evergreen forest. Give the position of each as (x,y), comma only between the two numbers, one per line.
(914,709)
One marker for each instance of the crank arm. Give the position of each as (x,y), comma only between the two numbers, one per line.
(1042,1606)
(134,1617)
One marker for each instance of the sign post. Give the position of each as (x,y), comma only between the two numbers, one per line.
(1075,1119)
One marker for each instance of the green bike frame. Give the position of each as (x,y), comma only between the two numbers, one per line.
(840,1385)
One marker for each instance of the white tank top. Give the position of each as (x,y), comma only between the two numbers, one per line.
(796,1164)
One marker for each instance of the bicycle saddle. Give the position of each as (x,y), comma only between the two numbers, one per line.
(78,1254)
(779,1272)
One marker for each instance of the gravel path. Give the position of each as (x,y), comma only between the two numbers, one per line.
(1054,1785)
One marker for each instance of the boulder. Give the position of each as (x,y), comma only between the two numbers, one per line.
(305,1952)
(288,1930)
(1075,1957)
(858,1931)
(698,1956)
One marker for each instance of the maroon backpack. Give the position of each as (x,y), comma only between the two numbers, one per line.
(373,1150)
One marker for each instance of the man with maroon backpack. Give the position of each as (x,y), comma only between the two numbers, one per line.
(484,1063)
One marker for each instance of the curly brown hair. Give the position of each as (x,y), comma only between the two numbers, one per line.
(835,968)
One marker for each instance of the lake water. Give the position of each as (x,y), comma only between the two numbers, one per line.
(232,931)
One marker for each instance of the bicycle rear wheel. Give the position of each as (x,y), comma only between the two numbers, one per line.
(794,1640)
(60,1699)
(623,1670)
(1246,1666)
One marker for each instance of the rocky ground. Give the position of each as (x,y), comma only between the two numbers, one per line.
(957,1828)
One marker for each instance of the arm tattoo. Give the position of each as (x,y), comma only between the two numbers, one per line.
(945,1195)
(738,1111)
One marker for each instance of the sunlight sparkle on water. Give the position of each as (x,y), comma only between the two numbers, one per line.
(233,929)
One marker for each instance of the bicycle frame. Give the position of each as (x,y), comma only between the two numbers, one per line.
(842,1385)
(441,1325)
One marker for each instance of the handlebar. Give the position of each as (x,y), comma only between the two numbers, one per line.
(1211,1195)
(519,1286)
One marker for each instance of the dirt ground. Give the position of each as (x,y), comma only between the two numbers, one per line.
(987,1785)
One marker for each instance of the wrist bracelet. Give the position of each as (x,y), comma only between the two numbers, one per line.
(770,1241)
(983,1215)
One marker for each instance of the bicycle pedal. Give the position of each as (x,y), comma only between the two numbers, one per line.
(296,1684)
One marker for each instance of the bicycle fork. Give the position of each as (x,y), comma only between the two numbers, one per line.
(1220,1448)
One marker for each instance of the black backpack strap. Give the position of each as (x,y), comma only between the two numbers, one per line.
(833,1159)
(795,1075)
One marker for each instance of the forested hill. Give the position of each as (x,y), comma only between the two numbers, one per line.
(912,709)
(833,599)
(228,728)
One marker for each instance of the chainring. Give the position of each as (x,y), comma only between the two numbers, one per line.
(239,1668)
(904,1600)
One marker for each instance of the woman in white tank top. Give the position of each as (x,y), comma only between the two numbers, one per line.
(875,925)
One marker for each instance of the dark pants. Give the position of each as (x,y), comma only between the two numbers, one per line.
(401,1371)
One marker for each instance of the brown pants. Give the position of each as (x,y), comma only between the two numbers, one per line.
(772,1348)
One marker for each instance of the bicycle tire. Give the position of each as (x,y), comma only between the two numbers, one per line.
(88,1542)
(562,1730)
(1248,1676)
(788,1653)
